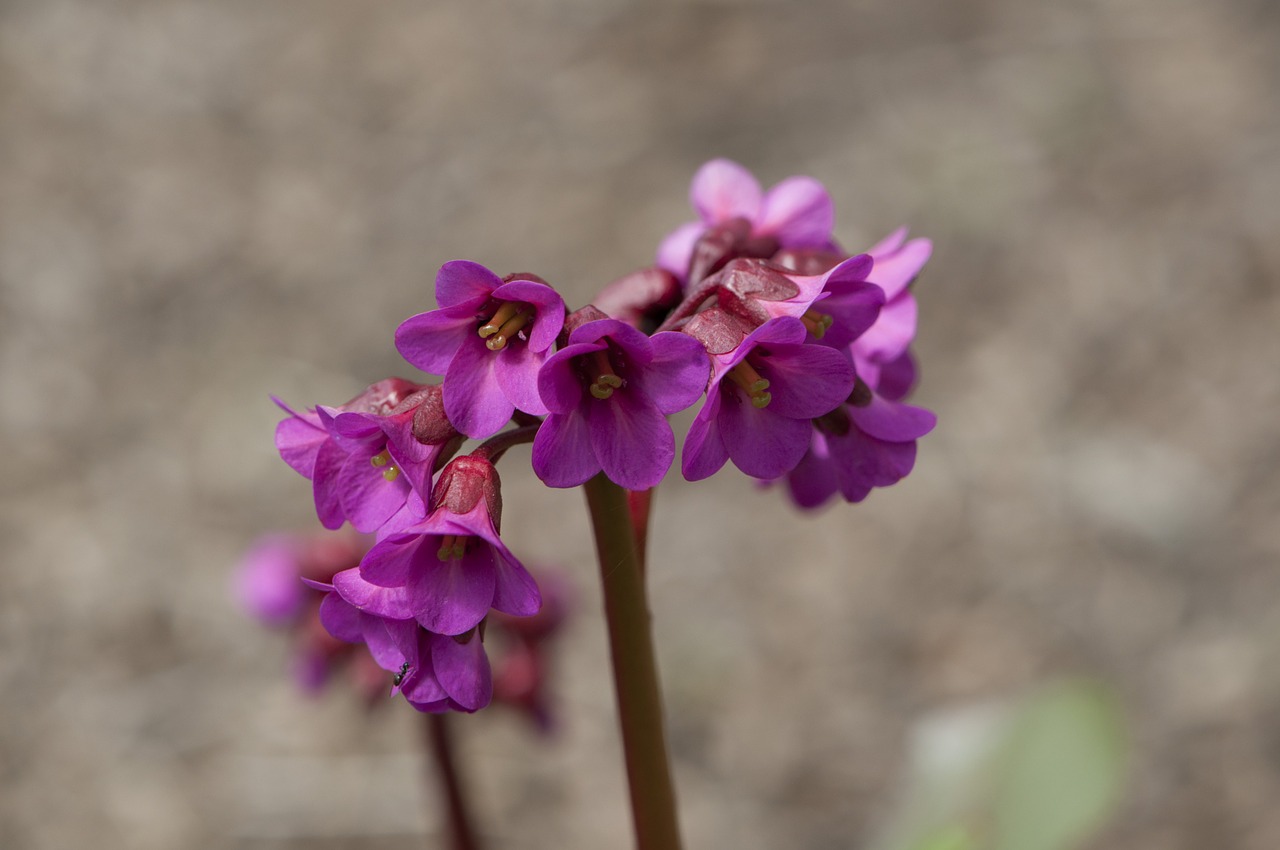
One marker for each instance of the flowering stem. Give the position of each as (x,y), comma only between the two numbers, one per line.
(641,504)
(635,672)
(493,448)
(440,745)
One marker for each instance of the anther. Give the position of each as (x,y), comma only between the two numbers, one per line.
(817,323)
(381,459)
(511,324)
(606,379)
(745,376)
(391,473)
(452,547)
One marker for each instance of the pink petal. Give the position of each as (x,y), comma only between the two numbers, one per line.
(760,442)
(893,331)
(631,438)
(677,375)
(391,602)
(473,398)
(562,453)
(430,340)
(462,670)
(559,384)
(806,381)
(704,452)
(893,421)
(516,369)
(894,272)
(676,248)
(798,212)
(451,597)
(724,190)
(462,282)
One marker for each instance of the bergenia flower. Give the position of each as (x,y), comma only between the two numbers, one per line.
(762,397)
(866,443)
(796,213)
(488,338)
(609,391)
(434,672)
(447,570)
(381,460)
(307,444)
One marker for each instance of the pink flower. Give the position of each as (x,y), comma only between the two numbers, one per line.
(796,213)
(488,339)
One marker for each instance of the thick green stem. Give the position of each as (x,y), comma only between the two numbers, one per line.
(635,672)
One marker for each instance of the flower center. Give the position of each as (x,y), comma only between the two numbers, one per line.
(606,380)
(504,324)
(452,547)
(817,323)
(382,460)
(745,376)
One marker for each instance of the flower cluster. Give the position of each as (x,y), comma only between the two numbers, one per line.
(798,351)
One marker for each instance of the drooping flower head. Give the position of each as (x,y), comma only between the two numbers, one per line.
(434,672)
(447,570)
(736,218)
(488,338)
(609,391)
(762,396)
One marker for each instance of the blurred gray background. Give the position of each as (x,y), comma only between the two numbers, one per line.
(202,203)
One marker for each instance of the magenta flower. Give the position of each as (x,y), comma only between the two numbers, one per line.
(355,454)
(762,397)
(488,338)
(796,213)
(267,583)
(434,672)
(868,442)
(609,392)
(447,570)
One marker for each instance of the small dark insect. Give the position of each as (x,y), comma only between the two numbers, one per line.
(399,677)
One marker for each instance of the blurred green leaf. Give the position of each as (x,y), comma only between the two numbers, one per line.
(1061,770)
(1041,773)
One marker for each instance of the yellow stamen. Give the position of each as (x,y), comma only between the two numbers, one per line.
(606,379)
(381,459)
(817,323)
(391,473)
(505,312)
(509,328)
(452,547)
(745,376)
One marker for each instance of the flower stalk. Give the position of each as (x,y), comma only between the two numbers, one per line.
(462,832)
(635,672)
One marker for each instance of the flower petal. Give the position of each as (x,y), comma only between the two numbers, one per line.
(368,498)
(473,398)
(516,369)
(894,271)
(391,602)
(341,619)
(854,306)
(631,438)
(799,212)
(806,381)
(893,421)
(515,592)
(676,249)
(704,452)
(462,669)
(897,378)
(463,281)
(430,340)
(813,481)
(724,190)
(298,439)
(761,442)
(559,384)
(562,453)
(324,484)
(677,375)
(451,597)
(893,331)
(548,305)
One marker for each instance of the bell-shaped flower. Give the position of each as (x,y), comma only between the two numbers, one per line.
(448,570)
(488,338)
(609,391)
(434,672)
(795,213)
(761,399)
(867,442)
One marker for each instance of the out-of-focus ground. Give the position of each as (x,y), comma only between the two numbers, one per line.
(203,203)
